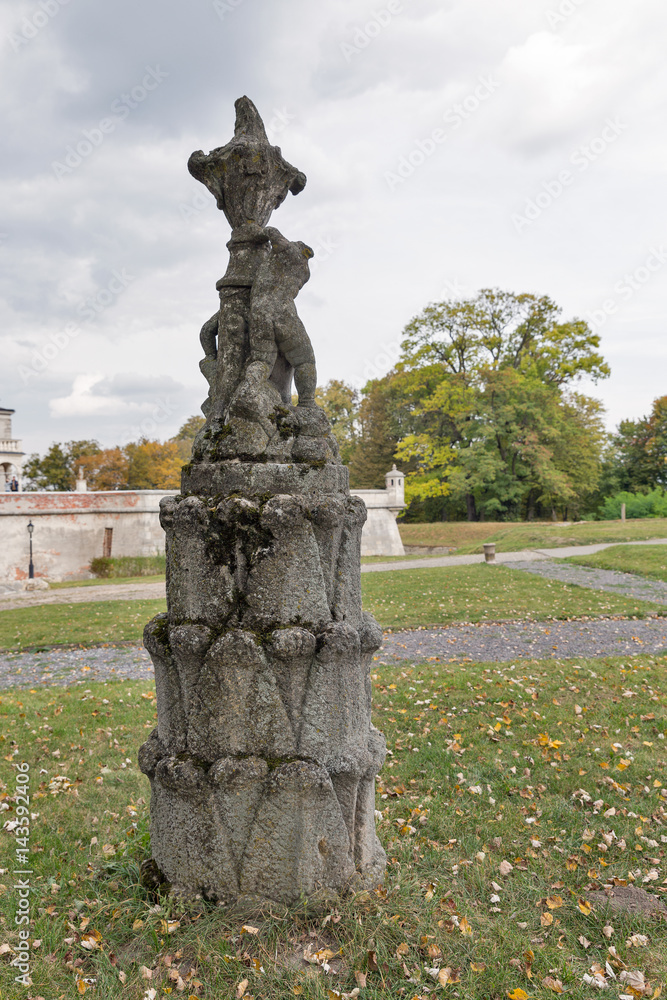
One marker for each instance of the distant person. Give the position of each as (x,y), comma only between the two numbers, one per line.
(14,485)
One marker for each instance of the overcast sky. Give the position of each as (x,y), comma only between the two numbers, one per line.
(449,145)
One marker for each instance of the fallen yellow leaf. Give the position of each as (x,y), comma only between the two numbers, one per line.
(465,927)
(553,984)
(546,919)
(518,994)
(585,907)
(554,902)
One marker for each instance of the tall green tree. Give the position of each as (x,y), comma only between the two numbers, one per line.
(481,397)
(637,458)
(374,453)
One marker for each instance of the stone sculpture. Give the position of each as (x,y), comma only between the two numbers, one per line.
(263,763)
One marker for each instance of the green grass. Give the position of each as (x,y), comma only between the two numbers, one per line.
(645,560)
(109,581)
(406,599)
(486,765)
(512,537)
(414,597)
(76,624)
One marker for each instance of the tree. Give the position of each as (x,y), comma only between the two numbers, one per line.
(184,439)
(59,468)
(153,465)
(637,458)
(374,453)
(481,397)
(340,402)
(107,469)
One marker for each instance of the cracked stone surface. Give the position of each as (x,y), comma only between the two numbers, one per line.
(263,762)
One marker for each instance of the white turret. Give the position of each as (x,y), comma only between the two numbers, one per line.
(395,486)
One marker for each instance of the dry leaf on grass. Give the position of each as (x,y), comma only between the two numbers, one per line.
(505,867)
(553,984)
(241,988)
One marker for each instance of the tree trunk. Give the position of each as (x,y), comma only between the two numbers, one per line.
(470,507)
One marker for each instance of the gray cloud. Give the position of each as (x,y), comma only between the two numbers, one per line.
(349,119)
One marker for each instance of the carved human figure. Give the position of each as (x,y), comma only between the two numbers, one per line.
(276,332)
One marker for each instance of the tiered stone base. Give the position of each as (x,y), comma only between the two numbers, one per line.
(263,763)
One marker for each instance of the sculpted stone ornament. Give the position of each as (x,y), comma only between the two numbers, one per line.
(263,763)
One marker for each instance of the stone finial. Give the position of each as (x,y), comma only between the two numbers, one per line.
(248,177)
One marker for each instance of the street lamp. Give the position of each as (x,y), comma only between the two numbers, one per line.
(31,568)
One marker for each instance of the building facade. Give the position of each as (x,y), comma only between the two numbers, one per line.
(11,455)
(71,529)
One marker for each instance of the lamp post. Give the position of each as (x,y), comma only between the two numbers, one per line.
(31,568)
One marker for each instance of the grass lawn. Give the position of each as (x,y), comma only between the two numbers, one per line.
(510,797)
(646,560)
(414,597)
(86,623)
(103,582)
(398,600)
(511,537)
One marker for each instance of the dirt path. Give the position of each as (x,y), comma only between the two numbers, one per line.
(81,595)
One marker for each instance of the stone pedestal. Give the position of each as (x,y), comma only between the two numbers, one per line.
(263,764)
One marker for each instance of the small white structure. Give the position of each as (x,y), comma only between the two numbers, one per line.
(380,536)
(11,456)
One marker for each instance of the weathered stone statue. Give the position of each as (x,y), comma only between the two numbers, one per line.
(263,763)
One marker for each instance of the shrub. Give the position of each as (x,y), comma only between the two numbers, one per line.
(128,566)
(652,504)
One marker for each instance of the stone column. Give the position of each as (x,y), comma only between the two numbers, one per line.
(263,763)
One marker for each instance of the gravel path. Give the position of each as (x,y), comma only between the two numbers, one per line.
(507,641)
(75,666)
(627,584)
(499,642)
